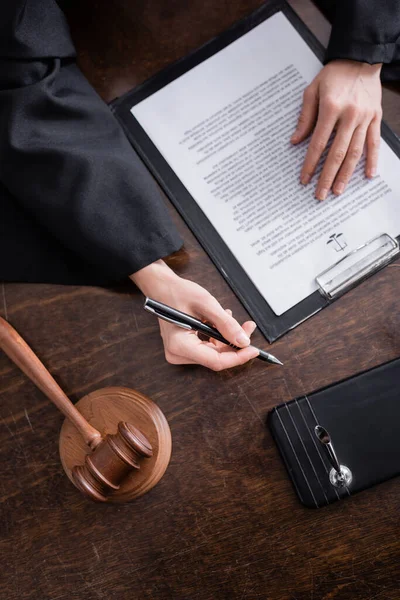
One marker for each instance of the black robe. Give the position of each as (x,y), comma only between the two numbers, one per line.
(367,31)
(76,203)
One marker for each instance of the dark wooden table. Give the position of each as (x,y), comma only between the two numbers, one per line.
(224,522)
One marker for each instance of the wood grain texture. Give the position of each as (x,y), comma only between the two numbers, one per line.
(224,522)
(12,344)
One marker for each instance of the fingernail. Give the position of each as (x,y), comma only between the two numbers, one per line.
(339,188)
(254,326)
(305,179)
(228,310)
(371,173)
(242,339)
(321,194)
(295,137)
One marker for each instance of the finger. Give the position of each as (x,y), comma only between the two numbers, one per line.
(217,361)
(176,342)
(220,345)
(373,143)
(308,115)
(182,347)
(334,160)
(212,311)
(326,122)
(214,343)
(173,359)
(249,328)
(351,160)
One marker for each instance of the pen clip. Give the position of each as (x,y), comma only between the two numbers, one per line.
(168,319)
(339,475)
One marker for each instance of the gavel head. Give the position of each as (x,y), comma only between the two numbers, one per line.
(112,460)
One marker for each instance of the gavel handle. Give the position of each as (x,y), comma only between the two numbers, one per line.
(20,353)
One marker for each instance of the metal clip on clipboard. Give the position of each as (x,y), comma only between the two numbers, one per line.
(357,266)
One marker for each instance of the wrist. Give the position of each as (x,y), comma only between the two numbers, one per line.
(374,69)
(155,273)
(363,67)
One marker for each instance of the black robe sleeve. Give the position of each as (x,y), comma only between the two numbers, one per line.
(68,175)
(366,31)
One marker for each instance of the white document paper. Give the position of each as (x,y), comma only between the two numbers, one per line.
(224,128)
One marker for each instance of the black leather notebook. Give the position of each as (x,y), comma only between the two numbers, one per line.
(362,416)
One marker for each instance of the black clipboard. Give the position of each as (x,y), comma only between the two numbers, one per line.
(271,325)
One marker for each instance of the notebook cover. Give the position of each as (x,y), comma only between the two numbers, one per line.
(362,416)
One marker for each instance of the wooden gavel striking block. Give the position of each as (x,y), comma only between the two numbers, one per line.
(110,463)
(121,462)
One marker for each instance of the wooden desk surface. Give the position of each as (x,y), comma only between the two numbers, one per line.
(224,522)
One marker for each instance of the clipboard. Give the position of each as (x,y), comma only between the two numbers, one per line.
(374,254)
(361,415)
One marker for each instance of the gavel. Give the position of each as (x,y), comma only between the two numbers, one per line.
(113,456)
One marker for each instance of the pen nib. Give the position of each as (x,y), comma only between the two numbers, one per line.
(275,360)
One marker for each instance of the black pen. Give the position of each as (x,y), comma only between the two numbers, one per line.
(181,319)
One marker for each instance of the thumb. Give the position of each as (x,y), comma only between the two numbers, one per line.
(211,309)
(308,115)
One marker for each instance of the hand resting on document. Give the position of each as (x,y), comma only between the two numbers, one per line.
(345,97)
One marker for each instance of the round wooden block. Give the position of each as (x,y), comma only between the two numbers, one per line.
(104,409)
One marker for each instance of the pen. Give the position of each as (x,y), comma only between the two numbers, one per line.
(181,319)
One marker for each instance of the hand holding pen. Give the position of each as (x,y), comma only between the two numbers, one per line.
(215,339)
